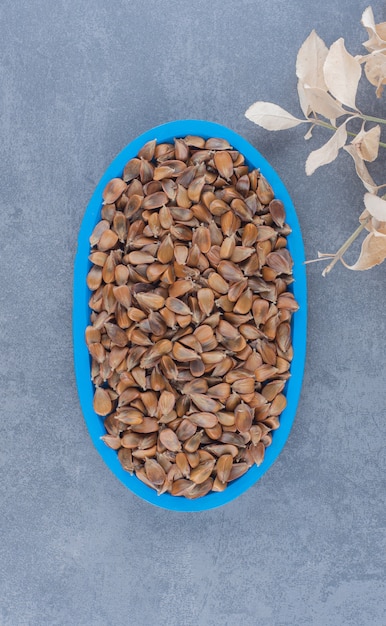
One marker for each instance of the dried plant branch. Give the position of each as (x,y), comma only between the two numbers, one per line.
(328,80)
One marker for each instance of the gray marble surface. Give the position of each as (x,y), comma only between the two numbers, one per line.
(306,545)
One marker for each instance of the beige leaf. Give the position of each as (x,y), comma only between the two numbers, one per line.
(375,206)
(308,134)
(375,71)
(366,143)
(328,152)
(342,73)
(305,107)
(321,102)
(363,217)
(310,61)
(373,252)
(376,32)
(271,117)
(361,169)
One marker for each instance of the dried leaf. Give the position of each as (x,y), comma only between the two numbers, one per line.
(375,206)
(342,73)
(320,101)
(305,107)
(375,71)
(376,32)
(361,169)
(310,61)
(373,252)
(328,152)
(271,117)
(308,134)
(366,143)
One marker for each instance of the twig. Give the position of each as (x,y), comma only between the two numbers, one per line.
(338,256)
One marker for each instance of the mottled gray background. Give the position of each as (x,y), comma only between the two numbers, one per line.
(304,546)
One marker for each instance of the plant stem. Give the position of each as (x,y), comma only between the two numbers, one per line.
(331,127)
(370,118)
(338,256)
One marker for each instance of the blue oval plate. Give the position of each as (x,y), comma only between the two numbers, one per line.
(81,315)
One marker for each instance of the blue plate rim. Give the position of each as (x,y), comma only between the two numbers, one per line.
(80,316)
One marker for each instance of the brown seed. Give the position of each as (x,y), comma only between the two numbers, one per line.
(280,261)
(205,299)
(186,429)
(241,209)
(165,252)
(150,300)
(258,452)
(202,239)
(98,258)
(169,439)
(169,368)
(117,335)
(183,354)
(163,171)
(183,464)
(200,473)
(144,454)
(195,188)
(113,190)
(278,404)
(243,417)
(236,290)
(283,336)
(102,402)
(132,417)
(264,190)
(238,469)
(204,403)
(241,253)
(260,309)
(217,283)
(98,231)
(94,278)
(203,419)
(224,164)
(126,459)
(148,425)
(271,389)
(108,271)
(166,403)
(154,354)
(192,444)
(197,368)
(276,209)
(227,247)
(229,271)
(154,200)
(200,490)
(218,486)
(122,294)
(216,143)
(244,303)
(264,372)
(180,288)
(224,467)
(107,240)
(249,235)
(112,441)
(181,486)
(154,472)
(131,170)
(220,391)
(177,306)
(139,258)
